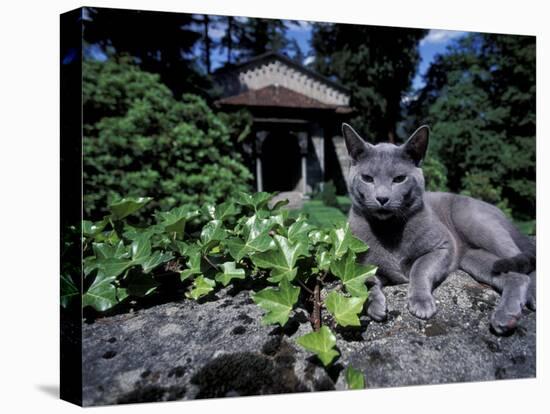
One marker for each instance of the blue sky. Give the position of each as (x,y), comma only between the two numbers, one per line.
(434,43)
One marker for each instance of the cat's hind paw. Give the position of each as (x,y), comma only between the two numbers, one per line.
(520,263)
(422,307)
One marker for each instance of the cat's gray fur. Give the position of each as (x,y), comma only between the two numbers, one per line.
(419,237)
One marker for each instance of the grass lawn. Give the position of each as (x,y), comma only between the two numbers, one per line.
(345,203)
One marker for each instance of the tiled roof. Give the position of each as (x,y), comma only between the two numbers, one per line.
(275,95)
(279,56)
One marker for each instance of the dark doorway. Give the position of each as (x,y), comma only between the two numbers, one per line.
(281,162)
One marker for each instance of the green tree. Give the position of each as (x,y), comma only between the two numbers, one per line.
(377,65)
(479,99)
(259,36)
(229,42)
(140,141)
(159,42)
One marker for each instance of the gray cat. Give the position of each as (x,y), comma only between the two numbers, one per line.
(420,237)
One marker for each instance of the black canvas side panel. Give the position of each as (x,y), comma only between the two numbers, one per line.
(71,201)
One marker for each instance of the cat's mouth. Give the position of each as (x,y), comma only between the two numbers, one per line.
(383,213)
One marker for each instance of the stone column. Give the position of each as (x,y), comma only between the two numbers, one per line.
(302,141)
(318,140)
(260,138)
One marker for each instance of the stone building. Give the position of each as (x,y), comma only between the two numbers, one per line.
(296,143)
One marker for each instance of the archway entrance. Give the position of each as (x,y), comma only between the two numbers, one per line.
(281,162)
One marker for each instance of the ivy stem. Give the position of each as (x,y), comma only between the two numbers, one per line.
(316,316)
(304,286)
(214,265)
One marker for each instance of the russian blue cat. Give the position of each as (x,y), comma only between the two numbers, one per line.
(419,237)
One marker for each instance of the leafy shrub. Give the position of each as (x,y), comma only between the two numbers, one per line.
(327,194)
(479,99)
(479,185)
(435,174)
(140,140)
(242,239)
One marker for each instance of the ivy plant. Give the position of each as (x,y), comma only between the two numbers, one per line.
(243,237)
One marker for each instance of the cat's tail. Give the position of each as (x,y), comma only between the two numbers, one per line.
(524,262)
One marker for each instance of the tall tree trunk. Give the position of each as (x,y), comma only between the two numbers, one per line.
(229,37)
(391,136)
(206,22)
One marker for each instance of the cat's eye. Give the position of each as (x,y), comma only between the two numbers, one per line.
(367,178)
(399,179)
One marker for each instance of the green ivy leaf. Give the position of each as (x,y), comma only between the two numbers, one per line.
(255,225)
(278,302)
(282,260)
(345,310)
(352,274)
(90,229)
(321,343)
(343,240)
(255,201)
(113,267)
(101,295)
(239,248)
(193,252)
(127,206)
(141,248)
(298,231)
(319,236)
(121,294)
(134,233)
(211,233)
(69,291)
(229,273)
(201,286)
(323,259)
(89,264)
(181,247)
(108,251)
(155,259)
(174,221)
(275,220)
(257,239)
(355,379)
(222,211)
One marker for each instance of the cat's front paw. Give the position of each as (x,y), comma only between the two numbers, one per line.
(532,294)
(504,322)
(422,307)
(377,310)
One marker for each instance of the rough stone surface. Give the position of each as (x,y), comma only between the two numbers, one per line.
(218,348)
(295,199)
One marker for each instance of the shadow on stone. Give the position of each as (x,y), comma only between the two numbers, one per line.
(247,373)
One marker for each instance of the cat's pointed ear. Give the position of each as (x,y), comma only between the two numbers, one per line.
(356,146)
(417,145)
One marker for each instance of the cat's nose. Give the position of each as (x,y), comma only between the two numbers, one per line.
(382,200)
